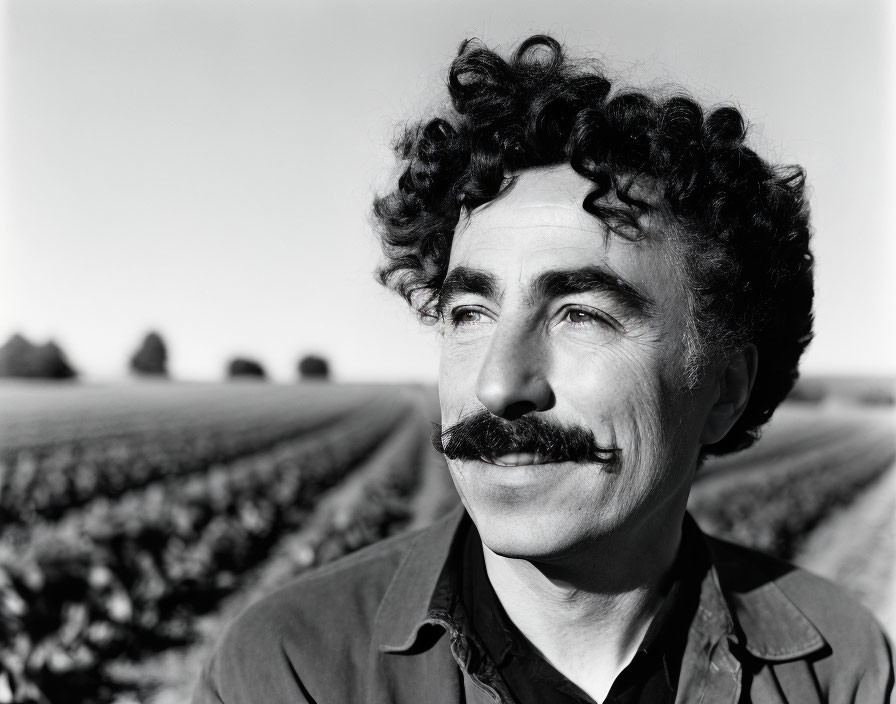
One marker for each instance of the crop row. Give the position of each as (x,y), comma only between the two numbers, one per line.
(34,487)
(774,511)
(123,577)
(38,420)
(798,431)
(377,499)
(369,505)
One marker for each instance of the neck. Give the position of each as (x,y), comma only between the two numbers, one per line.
(588,613)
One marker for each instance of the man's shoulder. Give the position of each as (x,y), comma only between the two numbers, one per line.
(787,613)
(293,641)
(345,593)
(756,576)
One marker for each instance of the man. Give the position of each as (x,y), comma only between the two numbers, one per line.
(622,287)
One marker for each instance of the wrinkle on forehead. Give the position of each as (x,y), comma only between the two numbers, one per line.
(540,197)
(554,196)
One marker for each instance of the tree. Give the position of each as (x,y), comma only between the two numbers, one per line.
(314,367)
(21,358)
(151,359)
(243,367)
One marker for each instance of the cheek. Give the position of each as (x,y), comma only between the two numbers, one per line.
(458,370)
(620,393)
(610,384)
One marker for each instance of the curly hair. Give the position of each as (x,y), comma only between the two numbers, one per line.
(742,224)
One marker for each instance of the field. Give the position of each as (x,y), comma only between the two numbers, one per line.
(136,520)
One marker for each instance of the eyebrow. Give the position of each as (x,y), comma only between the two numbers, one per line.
(592,279)
(464,280)
(549,284)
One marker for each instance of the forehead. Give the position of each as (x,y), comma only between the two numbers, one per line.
(539,197)
(539,223)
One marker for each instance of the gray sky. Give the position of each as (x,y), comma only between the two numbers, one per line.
(205,167)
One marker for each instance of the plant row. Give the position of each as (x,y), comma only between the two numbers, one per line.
(372,503)
(35,487)
(376,500)
(39,431)
(775,511)
(128,576)
(38,420)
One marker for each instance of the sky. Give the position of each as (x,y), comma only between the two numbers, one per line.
(205,168)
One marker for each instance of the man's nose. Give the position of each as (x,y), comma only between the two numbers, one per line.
(513,378)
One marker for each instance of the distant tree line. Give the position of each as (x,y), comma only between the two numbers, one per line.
(313,367)
(151,358)
(23,359)
(243,367)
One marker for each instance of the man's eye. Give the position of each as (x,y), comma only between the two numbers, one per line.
(577,317)
(466,316)
(581,318)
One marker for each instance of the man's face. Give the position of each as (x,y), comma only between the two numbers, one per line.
(547,316)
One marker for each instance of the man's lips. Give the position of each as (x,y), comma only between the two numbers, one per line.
(517,459)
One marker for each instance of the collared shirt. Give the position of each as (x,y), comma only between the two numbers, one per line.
(377,627)
(652,675)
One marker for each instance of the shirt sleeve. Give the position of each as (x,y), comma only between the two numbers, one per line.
(206,691)
(877,682)
(250,666)
(873,680)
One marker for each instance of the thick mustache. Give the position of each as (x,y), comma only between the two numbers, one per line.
(485,435)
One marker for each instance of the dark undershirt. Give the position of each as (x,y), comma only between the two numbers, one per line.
(651,677)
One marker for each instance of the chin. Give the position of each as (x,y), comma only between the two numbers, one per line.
(538,512)
(536,535)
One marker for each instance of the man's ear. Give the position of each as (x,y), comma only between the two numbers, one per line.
(734,381)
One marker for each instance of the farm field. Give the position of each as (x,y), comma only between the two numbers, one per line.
(136,520)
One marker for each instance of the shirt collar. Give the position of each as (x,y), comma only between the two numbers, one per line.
(766,623)
(737,601)
(424,579)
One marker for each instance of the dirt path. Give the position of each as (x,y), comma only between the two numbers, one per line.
(856,547)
